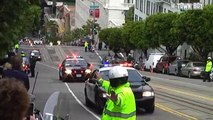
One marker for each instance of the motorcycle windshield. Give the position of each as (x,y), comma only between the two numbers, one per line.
(50,109)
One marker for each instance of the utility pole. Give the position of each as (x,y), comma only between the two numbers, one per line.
(93,25)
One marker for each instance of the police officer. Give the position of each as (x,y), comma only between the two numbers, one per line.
(16,48)
(120,103)
(86,45)
(179,65)
(33,61)
(208,69)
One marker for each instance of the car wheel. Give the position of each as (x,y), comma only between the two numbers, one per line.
(163,71)
(189,75)
(176,73)
(87,101)
(60,78)
(150,109)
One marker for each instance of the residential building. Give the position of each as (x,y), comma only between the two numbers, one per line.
(145,8)
(112,12)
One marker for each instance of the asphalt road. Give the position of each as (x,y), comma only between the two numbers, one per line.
(173,94)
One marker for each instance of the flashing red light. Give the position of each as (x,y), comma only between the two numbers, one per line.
(129,65)
(75,71)
(67,56)
(59,65)
(82,71)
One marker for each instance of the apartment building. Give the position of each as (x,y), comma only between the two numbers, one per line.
(112,12)
(144,8)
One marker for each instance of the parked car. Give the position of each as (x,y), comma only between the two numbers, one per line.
(211,74)
(144,93)
(163,63)
(193,69)
(152,60)
(173,68)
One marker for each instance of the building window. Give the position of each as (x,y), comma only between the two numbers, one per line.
(169,11)
(151,7)
(141,6)
(140,19)
(136,4)
(148,8)
(136,17)
(164,10)
(144,4)
(160,9)
(154,7)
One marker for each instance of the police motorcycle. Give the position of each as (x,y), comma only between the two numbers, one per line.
(50,108)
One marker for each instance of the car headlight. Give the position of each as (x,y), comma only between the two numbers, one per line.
(88,71)
(67,71)
(39,57)
(148,94)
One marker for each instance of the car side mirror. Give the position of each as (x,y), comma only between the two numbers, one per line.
(147,79)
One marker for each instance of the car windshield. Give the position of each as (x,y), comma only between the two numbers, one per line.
(198,64)
(36,53)
(72,63)
(133,75)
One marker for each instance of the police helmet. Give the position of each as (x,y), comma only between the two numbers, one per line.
(209,58)
(117,76)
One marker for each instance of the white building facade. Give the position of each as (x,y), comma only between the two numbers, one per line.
(112,12)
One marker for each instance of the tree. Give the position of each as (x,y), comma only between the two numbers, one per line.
(127,42)
(195,27)
(16,20)
(129,14)
(74,35)
(159,31)
(137,37)
(112,37)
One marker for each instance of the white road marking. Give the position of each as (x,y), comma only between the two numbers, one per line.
(71,92)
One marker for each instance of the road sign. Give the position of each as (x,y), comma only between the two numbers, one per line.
(94,7)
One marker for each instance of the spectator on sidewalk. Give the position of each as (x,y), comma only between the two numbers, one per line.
(16,71)
(14,100)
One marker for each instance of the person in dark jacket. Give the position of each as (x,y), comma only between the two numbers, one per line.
(16,71)
(33,61)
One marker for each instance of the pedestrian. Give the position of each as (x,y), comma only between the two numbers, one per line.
(16,48)
(100,46)
(86,45)
(14,100)
(207,70)
(16,71)
(120,104)
(33,61)
(179,65)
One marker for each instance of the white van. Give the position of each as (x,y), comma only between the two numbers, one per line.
(152,60)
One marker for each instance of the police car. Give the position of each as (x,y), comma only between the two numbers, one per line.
(74,68)
(144,93)
(37,54)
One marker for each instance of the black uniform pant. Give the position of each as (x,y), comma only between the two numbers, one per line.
(85,49)
(32,71)
(206,76)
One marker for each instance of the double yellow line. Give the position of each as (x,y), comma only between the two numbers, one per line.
(182,115)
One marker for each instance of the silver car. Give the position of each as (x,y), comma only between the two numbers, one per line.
(193,69)
(173,68)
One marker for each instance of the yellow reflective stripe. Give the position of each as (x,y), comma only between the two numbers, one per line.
(118,114)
